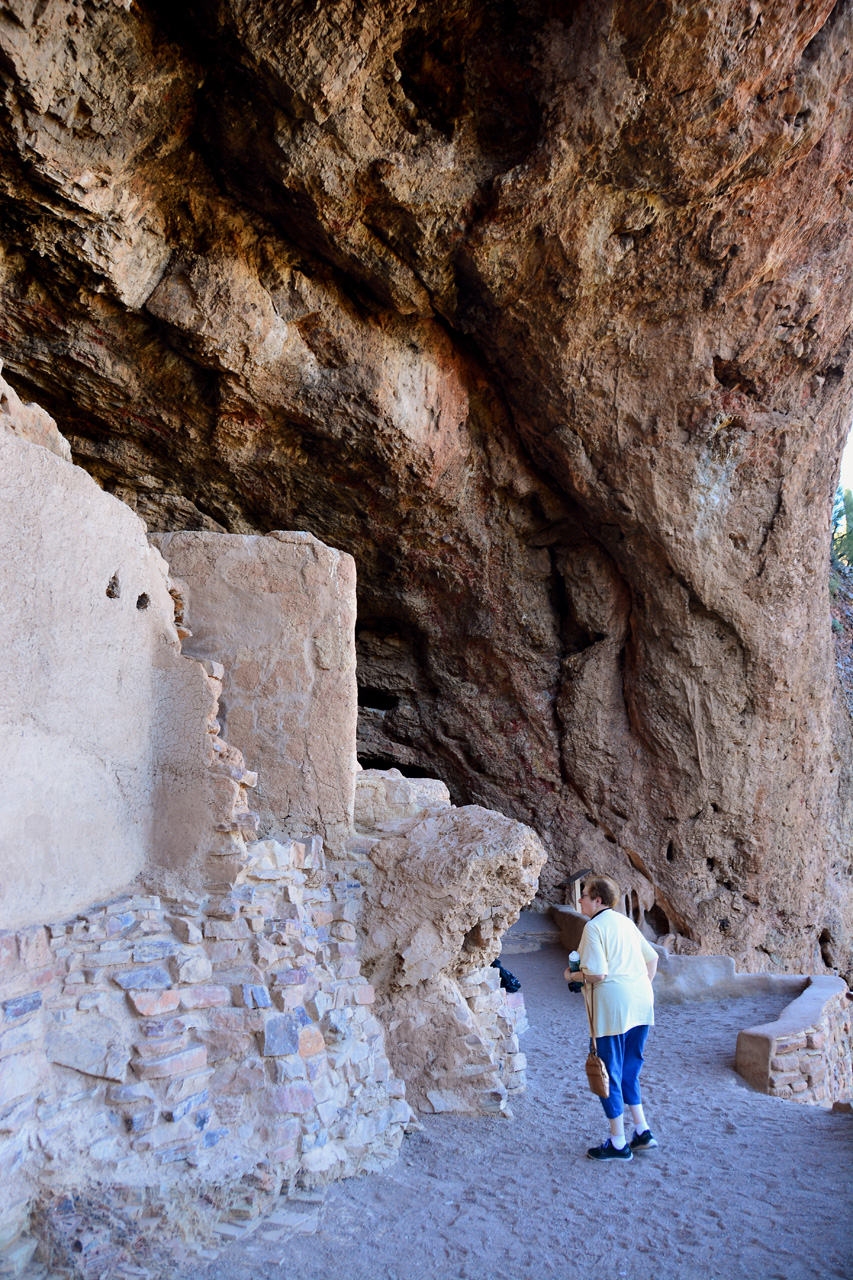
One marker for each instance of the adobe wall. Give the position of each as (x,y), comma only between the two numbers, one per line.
(187,1020)
(279,613)
(97,706)
(181,1005)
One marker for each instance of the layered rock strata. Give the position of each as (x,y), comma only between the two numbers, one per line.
(442,885)
(543,314)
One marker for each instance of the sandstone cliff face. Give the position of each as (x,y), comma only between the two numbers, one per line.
(543,313)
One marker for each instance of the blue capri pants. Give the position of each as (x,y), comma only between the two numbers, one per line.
(623,1057)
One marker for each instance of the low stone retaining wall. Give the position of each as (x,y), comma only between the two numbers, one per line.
(807,1053)
(681,978)
(532,931)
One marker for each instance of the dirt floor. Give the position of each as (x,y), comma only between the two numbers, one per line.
(742,1185)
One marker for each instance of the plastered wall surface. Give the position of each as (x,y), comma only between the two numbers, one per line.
(97,706)
(279,613)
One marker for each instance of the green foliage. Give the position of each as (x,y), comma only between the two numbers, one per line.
(842,528)
(837,627)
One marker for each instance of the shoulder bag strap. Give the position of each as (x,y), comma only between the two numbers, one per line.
(590,1013)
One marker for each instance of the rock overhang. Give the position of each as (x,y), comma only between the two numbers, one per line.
(427,340)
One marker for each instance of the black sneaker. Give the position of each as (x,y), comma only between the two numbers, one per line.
(643,1141)
(607,1151)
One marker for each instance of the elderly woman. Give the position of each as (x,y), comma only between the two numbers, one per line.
(617,966)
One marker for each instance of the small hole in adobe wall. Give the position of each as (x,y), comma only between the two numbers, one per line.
(142,601)
(113,589)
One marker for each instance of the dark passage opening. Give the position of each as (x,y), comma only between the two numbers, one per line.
(657,920)
(376,699)
(407,770)
(825,942)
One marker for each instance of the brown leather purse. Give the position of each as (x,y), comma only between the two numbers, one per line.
(596,1071)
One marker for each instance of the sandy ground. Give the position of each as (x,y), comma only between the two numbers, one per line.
(742,1185)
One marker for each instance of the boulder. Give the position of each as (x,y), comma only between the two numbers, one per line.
(442,885)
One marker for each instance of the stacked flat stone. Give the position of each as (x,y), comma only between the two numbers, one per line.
(807,1054)
(815,1065)
(230,1031)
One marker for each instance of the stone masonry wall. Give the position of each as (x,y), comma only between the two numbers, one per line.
(279,613)
(806,1055)
(815,1065)
(185,1051)
(148,1043)
(198,1026)
(187,1017)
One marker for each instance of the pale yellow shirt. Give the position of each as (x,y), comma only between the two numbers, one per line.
(613,945)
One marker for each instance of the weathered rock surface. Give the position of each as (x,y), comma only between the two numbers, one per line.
(841,591)
(544,315)
(30,422)
(461,877)
(442,885)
